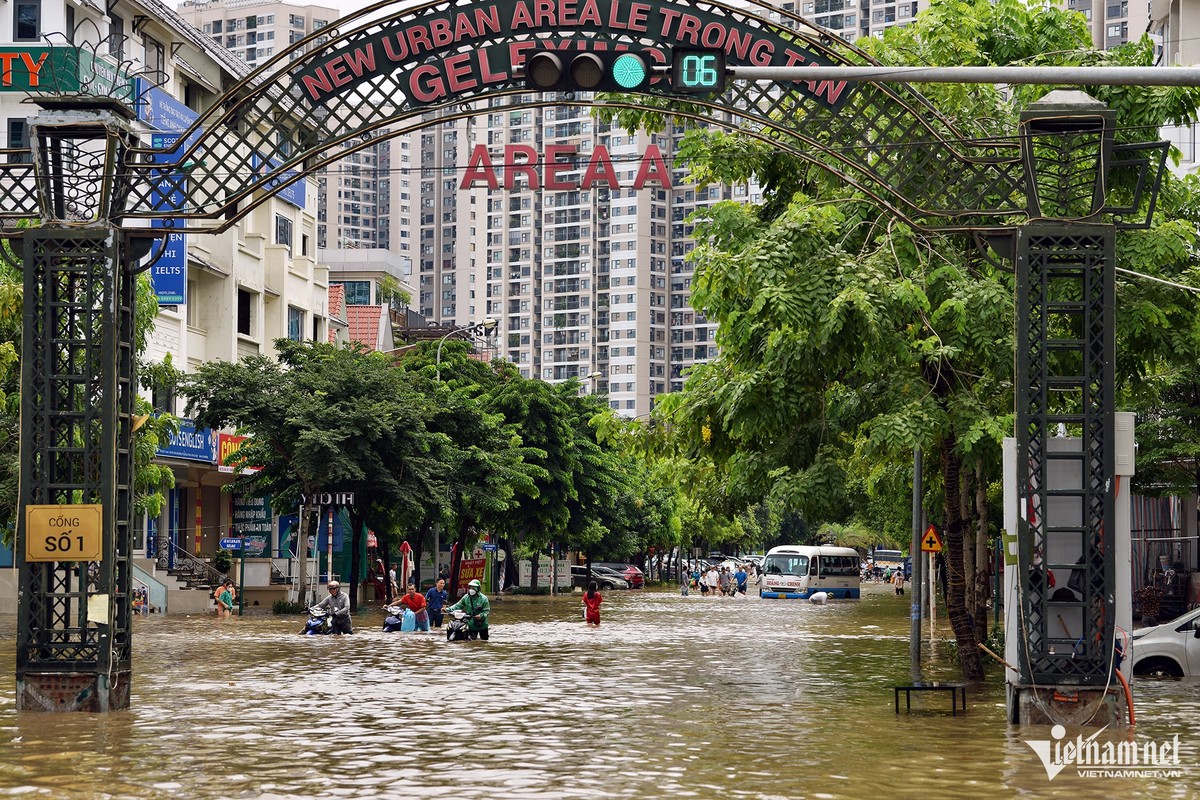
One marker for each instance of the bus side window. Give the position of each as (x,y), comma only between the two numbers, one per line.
(812,565)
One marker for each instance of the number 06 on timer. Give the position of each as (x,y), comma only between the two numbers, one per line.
(697,71)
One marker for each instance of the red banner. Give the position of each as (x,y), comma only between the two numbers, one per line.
(471,569)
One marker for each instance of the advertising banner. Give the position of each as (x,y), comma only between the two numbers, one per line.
(191,444)
(163,112)
(227,445)
(525,573)
(252,519)
(470,569)
(25,69)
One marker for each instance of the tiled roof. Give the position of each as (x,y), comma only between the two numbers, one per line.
(337,301)
(337,309)
(364,324)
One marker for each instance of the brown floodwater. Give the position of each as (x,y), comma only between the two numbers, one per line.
(672,697)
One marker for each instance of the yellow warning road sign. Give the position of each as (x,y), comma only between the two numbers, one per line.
(931,542)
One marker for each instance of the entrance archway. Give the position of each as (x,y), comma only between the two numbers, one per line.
(366,77)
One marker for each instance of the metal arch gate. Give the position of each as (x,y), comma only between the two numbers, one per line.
(377,77)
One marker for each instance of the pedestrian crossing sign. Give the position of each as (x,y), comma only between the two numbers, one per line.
(931,542)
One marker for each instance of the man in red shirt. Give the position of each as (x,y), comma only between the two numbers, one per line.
(415,601)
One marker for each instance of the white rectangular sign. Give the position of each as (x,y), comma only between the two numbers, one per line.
(525,573)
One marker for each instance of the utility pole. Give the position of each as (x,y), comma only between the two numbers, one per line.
(914,625)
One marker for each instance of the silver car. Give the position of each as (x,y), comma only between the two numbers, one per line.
(1170,650)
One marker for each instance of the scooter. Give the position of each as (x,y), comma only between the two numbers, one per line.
(319,622)
(399,618)
(457,630)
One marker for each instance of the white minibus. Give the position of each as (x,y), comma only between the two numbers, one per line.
(798,571)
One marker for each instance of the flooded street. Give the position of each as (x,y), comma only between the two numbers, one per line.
(671,697)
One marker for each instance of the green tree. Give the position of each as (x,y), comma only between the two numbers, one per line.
(845,336)
(320,418)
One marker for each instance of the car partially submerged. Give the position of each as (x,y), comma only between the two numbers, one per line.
(1169,650)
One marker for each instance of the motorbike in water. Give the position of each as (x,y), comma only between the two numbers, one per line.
(457,630)
(400,619)
(319,623)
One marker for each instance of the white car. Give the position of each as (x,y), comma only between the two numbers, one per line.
(1170,650)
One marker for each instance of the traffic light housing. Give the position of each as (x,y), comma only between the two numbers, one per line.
(587,71)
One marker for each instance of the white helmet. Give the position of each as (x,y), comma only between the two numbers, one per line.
(334,585)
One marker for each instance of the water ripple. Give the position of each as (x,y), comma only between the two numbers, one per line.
(672,697)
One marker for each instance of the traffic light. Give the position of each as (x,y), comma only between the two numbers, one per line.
(587,71)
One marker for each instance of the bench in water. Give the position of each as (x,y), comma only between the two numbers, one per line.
(956,690)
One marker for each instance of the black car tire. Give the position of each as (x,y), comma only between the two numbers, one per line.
(1158,668)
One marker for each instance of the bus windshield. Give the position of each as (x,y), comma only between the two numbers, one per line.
(785,564)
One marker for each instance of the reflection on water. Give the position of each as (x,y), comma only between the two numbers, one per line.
(672,697)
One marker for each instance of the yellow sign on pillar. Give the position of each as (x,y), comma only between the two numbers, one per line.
(64,533)
(931,542)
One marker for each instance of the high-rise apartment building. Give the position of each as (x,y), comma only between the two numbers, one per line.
(851,19)
(586,277)
(255,30)
(571,245)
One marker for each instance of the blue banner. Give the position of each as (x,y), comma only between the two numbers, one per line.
(168,193)
(191,443)
(163,112)
(292,193)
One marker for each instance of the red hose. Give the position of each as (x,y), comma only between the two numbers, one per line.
(1128,698)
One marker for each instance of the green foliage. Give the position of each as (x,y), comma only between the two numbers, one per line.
(288,607)
(222,560)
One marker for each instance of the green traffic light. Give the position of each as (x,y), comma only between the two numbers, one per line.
(629,71)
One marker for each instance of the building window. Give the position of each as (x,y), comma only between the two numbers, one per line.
(27,21)
(116,36)
(358,293)
(154,56)
(245,302)
(283,232)
(18,138)
(295,324)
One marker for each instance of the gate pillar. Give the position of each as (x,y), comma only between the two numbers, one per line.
(1065,471)
(77,392)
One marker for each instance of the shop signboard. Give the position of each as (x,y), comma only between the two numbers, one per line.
(191,444)
(252,519)
(470,569)
(227,445)
(525,573)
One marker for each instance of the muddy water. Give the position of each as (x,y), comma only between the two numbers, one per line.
(671,698)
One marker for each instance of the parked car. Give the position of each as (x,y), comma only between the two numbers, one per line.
(1169,650)
(604,578)
(635,577)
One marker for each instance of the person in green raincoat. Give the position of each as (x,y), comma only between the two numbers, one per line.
(477,608)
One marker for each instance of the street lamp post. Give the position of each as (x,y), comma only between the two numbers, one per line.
(592,378)
(485,326)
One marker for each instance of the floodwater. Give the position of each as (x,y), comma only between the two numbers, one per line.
(672,697)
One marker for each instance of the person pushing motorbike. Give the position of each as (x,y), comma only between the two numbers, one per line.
(338,606)
(477,608)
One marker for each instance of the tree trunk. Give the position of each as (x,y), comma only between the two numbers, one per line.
(302,551)
(356,535)
(964,631)
(983,584)
(465,529)
(968,559)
